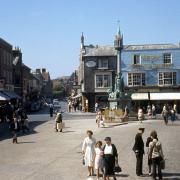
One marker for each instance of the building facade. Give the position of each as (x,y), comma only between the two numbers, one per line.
(97,71)
(151,72)
(6,66)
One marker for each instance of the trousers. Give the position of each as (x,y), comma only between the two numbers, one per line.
(139,164)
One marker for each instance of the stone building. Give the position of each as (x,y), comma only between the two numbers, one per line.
(6,66)
(97,71)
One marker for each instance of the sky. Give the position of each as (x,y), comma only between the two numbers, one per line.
(48,31)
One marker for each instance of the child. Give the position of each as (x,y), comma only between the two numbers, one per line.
(100,119)
(98,158)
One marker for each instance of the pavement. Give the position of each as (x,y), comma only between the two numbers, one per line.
(44,154)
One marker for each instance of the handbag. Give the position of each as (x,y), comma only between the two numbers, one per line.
(117,168)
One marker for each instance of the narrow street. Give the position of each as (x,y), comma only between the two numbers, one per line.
(44,154)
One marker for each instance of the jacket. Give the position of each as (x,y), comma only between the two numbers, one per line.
(155,149)
(139,144)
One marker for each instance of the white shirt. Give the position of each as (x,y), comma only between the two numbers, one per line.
(108,149)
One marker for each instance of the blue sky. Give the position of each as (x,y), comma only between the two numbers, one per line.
(48,31)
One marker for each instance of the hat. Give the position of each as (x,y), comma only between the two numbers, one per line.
(107,139)
(141,128)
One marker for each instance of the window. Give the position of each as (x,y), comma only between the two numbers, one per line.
(103,64)
(136,79)
(103,81)
(167,78)
(137,59)
(167,58)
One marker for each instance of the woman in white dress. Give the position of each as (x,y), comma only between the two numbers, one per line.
(88,150)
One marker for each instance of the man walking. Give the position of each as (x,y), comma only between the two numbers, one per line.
(138,148)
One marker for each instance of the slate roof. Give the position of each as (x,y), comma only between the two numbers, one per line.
(150,47)
(100,51)
(110,50)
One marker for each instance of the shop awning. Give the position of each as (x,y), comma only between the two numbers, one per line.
(4,97)
(139,96)
(165,96)
(11,94)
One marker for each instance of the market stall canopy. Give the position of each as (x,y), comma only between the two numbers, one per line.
(11,95)
(4,97)
(139,96)
(165,96)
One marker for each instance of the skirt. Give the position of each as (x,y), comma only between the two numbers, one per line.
(109,164)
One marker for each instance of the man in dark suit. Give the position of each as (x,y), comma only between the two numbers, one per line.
(138,148)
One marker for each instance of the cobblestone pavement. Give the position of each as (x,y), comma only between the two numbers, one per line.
(46,155)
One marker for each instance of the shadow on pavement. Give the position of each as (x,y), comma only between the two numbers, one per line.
(122,175)
(171,176)
(5,132)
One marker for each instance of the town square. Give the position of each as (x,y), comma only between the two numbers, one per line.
(89,90)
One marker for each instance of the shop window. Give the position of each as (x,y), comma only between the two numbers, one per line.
(167,58)
(136,79)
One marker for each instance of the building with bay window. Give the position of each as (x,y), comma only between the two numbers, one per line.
(150,71)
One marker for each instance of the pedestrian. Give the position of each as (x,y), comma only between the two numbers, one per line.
(140,115)
(100,119)
(14,128)
(126,111)
(51,109)
(138,148)
(96,107)
(88,150)
(98,159)
(156,153)
(172,115)
(24,121)
(153,111)
(149,139)
(165,114)
(110,158)
(58,122)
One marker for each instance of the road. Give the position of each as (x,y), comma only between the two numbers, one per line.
(44,154)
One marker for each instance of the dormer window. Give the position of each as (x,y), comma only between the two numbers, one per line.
(167,58)
(103,64)
(137,59)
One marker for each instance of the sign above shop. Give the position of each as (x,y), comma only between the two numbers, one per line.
(91,64)
(150,57)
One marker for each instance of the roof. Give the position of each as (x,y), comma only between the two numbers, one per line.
(100,51)
(150,46)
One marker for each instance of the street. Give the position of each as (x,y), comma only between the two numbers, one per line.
(44,154)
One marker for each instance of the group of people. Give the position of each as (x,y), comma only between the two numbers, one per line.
(102,158)
(17,120)
(168,112)
(155,154)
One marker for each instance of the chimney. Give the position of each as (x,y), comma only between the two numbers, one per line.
(43,70)
(38,71)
